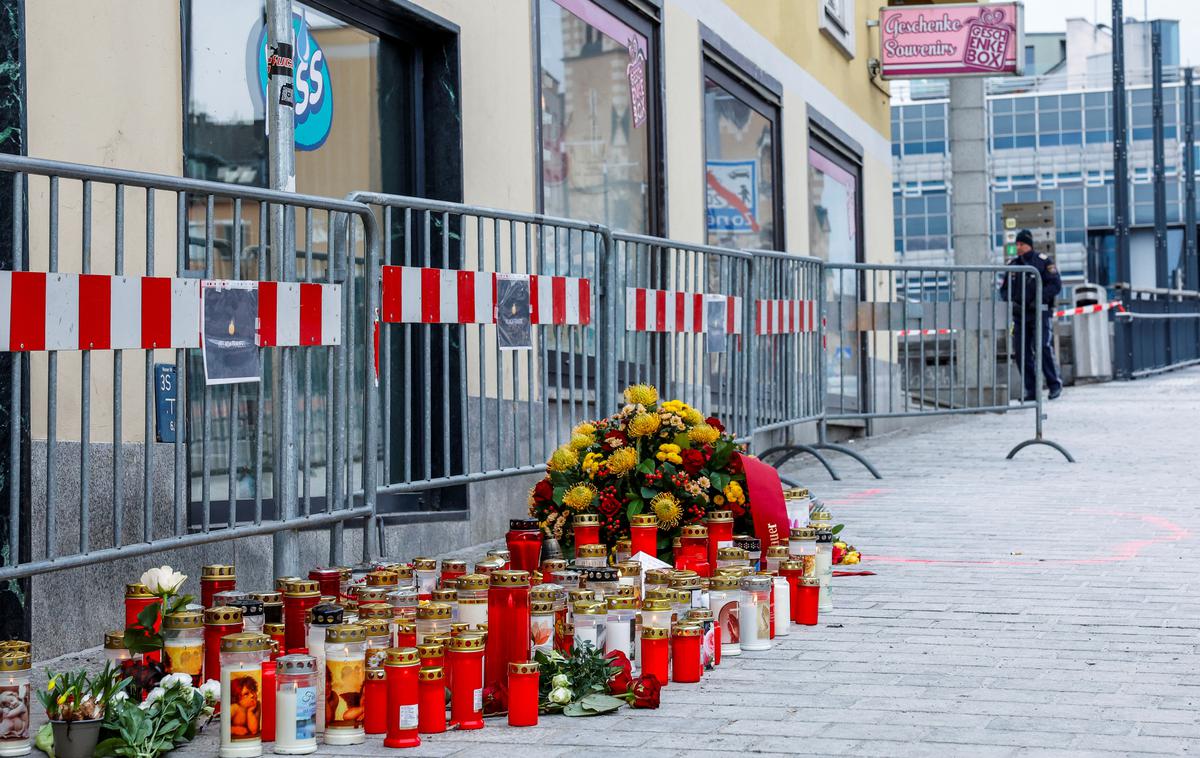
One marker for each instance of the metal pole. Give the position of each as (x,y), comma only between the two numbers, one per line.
(1191,269)
(1162,276)
(1120,147)
(281,126)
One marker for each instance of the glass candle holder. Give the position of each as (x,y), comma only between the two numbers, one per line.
(137,598)
(541,625)
(732,557)
(464,660)
(432,618)
(692,583)
(754,613)
(15,675)
(296,704)
(643,534)
(382,579)
(720,533)
(753,548)
(299,597)
(710,636)
(272,603)
(620,627)
(345,677)
(591,556)
(602,580)
(230,597)
(630,575)
(242,658)
(471,591)
(405,576)
(574,596)
(431,700)
(586,528)
(770,575)
(693,550)
(508,623)
(405,633)
(253,614)
(115,650)
(775,555)
(219,622)
(524,541)
(659,577)
(447,596)
(215,578)
(569,579)
(375,702)
(404,602)
(183,643)
(276,632)
(590,618)
(503,555)
(825,567)
(550,565)
(656,612)
(377,611)
(681,603)
(685,653)
(401,666)
(792,571)
(426,571)
(328,579)
(522,693)
(320,619)
(622,550)
(782,614)
(488,565)
(379,639)
(655,654)
(819,517)
(802,545)
(808,601)
(723,600)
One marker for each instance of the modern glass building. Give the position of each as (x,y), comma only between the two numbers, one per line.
(1049,138)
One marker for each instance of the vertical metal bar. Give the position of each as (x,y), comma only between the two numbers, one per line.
(558,364)
(85,401)
(232,466)
(1162,275)
(14,399)
(1120,115)
(260,391)
(410,428)
(529,387)
(481,338)
(333,248)
(118,494)
(445,393)
(921,333)
(371,295)
(426,360)
(181,495)
(385,354)
(499,355)
(1191,266)
(148,431)
(205,502)
(52,396)
(306,436)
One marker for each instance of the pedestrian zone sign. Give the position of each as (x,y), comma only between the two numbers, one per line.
(732,189)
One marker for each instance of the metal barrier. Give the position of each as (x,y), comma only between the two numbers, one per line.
(57,316)
(458,405)
(682,322)
(1156,331)
(906,341)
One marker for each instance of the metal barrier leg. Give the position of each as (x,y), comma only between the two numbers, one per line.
(1039,441)
(791,451)
(1037,390)
(823,444)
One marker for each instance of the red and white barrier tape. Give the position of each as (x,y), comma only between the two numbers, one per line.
(413,295)
(784,316)
(1067,313)
(923,332)
(648,310)
(65,311)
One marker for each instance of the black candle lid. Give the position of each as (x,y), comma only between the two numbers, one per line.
(520,524)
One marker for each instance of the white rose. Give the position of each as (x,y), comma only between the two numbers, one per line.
(560,696)
(184,679)
(153,695)
(163,580)
(168,681)
(211,690)
(560,680)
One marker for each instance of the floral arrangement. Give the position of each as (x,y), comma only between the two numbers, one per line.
(588,683)
(171,715)
(164,582)
(80,696)
(650,457)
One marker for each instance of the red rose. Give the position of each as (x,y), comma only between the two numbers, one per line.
(713,422)
(838,553)
(735,465)
(645,692)
(543,491)
(495,698)
(693,461)
(620,682)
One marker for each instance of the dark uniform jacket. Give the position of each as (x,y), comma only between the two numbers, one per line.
(1021,288)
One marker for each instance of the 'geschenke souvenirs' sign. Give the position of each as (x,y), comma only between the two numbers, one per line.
(934,41)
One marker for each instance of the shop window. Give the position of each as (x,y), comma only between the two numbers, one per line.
(741,164)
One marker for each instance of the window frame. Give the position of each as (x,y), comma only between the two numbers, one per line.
(835,19)
(734,80)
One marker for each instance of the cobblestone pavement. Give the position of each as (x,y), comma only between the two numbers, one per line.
(1020,608)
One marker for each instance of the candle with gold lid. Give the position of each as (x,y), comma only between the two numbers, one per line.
(586,528)
(272,606)
(508,623)
(431,712)
(426,571)
(471,591)
(15,674)
(775,555)
(720,533)
(541,624)
(488,565)
(114,647)
(138,597)
(550,565)
(242,694)
(299,597)
(452,568)
(591,556)
(219,622)
(622,550)
(382,579)
(329,578)
(501,554)
(643,534)
(183,643)
(728,557)
(401,666)
(379,639)
(214,578)
(345,677)
(432,618)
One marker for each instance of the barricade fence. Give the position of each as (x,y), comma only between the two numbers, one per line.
(410,346)
(1156,332)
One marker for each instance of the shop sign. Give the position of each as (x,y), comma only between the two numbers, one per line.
(312,89)
(926,41)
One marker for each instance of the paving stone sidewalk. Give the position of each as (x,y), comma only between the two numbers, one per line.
(1020,608)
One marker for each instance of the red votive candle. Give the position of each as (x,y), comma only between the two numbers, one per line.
(793,571)
(218,622)
(524,540)
(137,598)
(693,550)
(508,623)
(586,530)
(375,693)
(328,579)
(401,665)
(268,701)
(406,633)
(643,534)
(431,698)
(465,659)
(655,654)
(433,655)
(299,597)
(523,693)
(685,653)
(452,568)
(276,633)
(806,608)
(720,533)
(215,578)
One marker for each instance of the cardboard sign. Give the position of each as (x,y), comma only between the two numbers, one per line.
(228,326)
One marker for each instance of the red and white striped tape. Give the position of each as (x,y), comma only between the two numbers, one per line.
(413,295)
(648,310)
(1089,309)
(923,332)
(62,311)
(785,316)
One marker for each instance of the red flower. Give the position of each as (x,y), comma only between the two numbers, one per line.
(620,682)
(543,491)
(693,461)
(838,553)
(645,692)
(615,438)
(735,464)
(713,422)
(495,698)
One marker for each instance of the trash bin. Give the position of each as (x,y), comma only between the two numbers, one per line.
(1090,335)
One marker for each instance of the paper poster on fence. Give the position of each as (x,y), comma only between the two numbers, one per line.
(228,322)
(716,313)
(513,312)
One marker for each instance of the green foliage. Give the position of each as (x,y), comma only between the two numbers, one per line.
(172,719)
(587,672)
(78,695)
(635,507)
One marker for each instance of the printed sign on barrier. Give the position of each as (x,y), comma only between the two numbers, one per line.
(732,190)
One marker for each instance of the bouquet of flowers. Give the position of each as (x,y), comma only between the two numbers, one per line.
(663,458)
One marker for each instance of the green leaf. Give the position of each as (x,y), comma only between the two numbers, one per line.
(719,480)
(599,702)
(558,494)
(649,493)
(108,747)
(837,528)
(575,709)
(149,615)
(44,740)
(646,466)
(635,507)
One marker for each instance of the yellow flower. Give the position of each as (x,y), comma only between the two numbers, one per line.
(51,684)
(718,500)
(666,507)
(641,394)
(591,463)
(644,424)
(693,417)
(703,434)
(678,407)
(581,441)
(669,453)
(586,427)
(733,492)
(563,459)
(579,497)
(622,461)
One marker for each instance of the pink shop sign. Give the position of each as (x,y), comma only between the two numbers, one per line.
(934,41)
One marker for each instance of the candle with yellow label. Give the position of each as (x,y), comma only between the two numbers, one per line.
(242,656)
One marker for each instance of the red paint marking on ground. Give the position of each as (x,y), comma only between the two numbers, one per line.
(857,497)
(1125,551)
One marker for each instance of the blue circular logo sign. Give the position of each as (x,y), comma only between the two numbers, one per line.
(313,88)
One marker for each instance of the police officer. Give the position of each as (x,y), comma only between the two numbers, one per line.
(1020,289)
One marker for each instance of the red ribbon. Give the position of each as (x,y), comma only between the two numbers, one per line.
(765,492)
